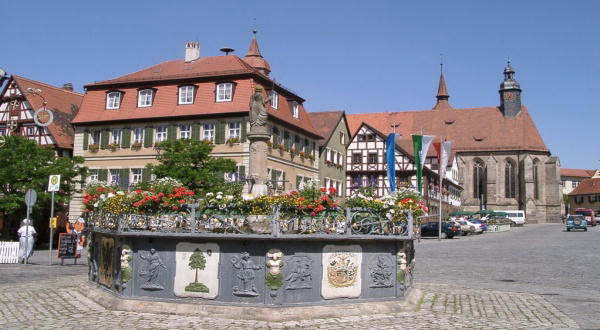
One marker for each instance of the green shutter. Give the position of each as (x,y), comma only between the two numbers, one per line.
(102,174)
(283,179)
(274,176)
(243,131)
(297,143)
(148,137)
(286,138)
(171,133)
(275,137)
(145,175)
(220,132)
(298,180)
(126,138)
(242,172)
(124,176)
(86,136)
(195,131)
(104,139)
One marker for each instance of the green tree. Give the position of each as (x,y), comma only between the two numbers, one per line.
(26,165)
(197,261)
(190,162)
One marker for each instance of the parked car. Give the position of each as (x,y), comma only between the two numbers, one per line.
(479,222)
(478,226)
(588,214)
(516,216)
(465,229)
(430,229)
(576,222)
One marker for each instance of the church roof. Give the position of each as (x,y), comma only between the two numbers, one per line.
(63,103)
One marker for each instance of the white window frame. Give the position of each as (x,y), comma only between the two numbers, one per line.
(295,112)
(234,132)
(118,174)
(188,92)
(93,177)
(113,100)
(161,134)
(95,137)
(327,183)
(208,132)
(342,138)
(328,154)
(185,131)
(135,175)
(115,136)
(145,97)
(225,92)
(274,99)
(138,138)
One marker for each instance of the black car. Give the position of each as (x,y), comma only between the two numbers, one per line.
(430,229)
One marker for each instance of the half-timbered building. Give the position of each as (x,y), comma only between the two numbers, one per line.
(22,97)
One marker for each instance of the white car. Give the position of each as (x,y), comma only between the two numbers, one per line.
(516,216)
(478,227)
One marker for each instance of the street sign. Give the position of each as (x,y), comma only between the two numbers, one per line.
(54,183)
(53,222)
(30,198)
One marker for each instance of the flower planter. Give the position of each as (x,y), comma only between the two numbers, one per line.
(497,228)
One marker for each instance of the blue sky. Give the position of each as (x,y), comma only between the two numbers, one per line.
(359,56)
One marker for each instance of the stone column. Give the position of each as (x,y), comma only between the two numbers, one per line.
(257,167)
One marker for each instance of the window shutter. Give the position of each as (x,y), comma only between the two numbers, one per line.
(286,138)
(145,175)
(104,139)
(195,131)
(274,177)
(171,133)
(124,176)
(283,179)
(102,174)
(298,180)
(220,132)
(243,131)
(126,138)
(242,172)
(148,137)
(86,136)
(275,137)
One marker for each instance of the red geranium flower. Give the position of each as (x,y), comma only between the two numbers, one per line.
(300,207)
(175,207)
(312,214)
(151,189)
(182,201)
(324,198)
(332,190)
(301,199)
(99,189)
(320,208)
(87,210)
(139,191)
(309,206)
(160,194)
(323,190)
(166,204)
(294,192)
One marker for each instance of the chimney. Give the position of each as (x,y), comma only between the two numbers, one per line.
(68,86)
(192,51)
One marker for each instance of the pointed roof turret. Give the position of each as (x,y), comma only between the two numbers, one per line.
(254,57)
(442,94)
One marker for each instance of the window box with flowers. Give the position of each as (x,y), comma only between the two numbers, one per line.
(270,145)
(311,157)
(93,148)
(292,151)
(136,146)
(302,154)
(113,146)
(232,141)
(282,148)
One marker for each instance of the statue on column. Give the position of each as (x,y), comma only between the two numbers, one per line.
(258,112)
(258,136)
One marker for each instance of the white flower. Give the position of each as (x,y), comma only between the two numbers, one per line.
(209,194)
(110,195)
(219,196)
(392,211)
(103,197)
(96,204)
(247,197)
(220,193)
(229,197)
(120,193)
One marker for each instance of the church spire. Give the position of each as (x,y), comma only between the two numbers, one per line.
(442,94)
(510,93)
(254,57)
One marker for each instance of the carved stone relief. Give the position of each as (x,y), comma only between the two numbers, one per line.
(196,270)
(245,276)
(341,271)
(381,271)
(107,248)
(300,276)
(151,270)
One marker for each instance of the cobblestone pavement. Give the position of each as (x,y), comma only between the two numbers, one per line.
(461,280)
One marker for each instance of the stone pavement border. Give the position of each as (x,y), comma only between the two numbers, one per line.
(111,301)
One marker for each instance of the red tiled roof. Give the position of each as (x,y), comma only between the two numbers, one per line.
(325,123)
(575,172)
(63,103)
(203,73)
(469,129)
(587,187)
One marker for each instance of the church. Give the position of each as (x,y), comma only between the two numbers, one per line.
(503,162)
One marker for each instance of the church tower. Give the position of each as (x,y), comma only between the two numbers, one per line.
(255,59)
(510,93)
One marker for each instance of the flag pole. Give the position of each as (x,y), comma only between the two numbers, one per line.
(440,169)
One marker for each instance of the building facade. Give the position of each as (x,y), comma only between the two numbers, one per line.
(586,195)
(202,98)
(503,163)
(333,126)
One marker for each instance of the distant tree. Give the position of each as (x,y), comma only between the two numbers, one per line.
(190,162)
(26,165)
(197,261)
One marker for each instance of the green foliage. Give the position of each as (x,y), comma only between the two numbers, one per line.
(274,282)
(196,287)
(189,161)
(26,165)
(197,260)
(401,276)
(125,274)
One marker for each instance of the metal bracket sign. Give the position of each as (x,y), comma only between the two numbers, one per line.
(54,183)
(30,198)
(43,117)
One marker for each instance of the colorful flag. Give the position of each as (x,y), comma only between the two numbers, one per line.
(390,156)
(421,145)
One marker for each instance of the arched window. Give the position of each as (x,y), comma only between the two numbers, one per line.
(509,179)
(479,181)
(536,181)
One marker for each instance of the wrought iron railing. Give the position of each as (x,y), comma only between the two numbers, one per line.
(349,221)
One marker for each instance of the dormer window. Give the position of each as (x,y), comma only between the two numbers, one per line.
(295,109)
(186,94)
(224,92)
(274,99)
(145,98)
(113,100)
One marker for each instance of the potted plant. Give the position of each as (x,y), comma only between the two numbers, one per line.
(270,145)
(113,146)
(292,151)
(136,146)
(93,148)
(233,140)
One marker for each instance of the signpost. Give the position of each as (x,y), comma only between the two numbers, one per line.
(30,198)
(53,185)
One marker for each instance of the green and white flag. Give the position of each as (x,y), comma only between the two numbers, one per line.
(421,145)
